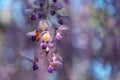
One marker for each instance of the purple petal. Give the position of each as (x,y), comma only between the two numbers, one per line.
(50,69)
(58,37)
(43,45)
(62,27)
(35,66)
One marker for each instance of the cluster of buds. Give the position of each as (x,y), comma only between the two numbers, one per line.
(43,9)
(46,38)
(44,35)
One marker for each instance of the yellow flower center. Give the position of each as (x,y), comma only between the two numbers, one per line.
(55,65)
(46,37)
(43,26)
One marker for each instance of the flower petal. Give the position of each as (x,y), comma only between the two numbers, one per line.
(62,27)
(56,64)
(50,69)
(30,34)
(57,58)
(58,37)
(28,12)
(43,25)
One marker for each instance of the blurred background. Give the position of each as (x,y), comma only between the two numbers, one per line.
(90,49)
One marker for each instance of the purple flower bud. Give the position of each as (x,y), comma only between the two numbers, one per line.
(60,21)
(43,45)
(52,12)
(33,17)
(33,38)
(42,15)
(42,3)
(50,69)
(54,0)
(58,37)
(35,66)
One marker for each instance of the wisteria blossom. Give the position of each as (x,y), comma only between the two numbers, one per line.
(45,36)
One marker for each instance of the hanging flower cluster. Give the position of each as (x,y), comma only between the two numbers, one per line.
(44,35)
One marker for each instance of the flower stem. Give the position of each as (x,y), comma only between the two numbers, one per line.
(47,15)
